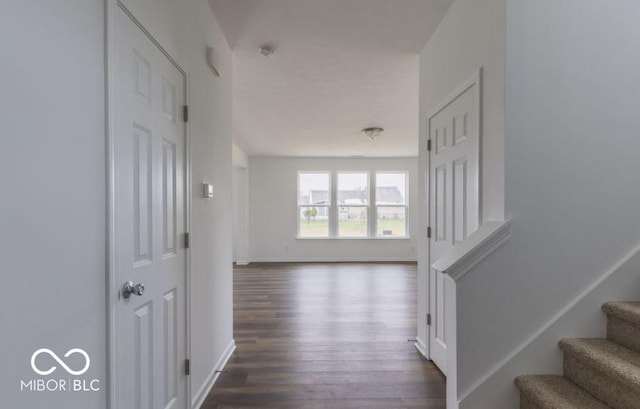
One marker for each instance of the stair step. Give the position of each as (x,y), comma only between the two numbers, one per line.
(554,392)
(625,310)
(623,323)
(608,371)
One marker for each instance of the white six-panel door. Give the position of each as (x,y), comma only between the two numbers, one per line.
(453,199)
(149,220)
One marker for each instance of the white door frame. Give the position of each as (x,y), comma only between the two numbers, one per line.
(113,285)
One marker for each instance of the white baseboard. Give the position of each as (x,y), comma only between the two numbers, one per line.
(336,260)
(204,390)
(581,317)
(421,347)
(242,263)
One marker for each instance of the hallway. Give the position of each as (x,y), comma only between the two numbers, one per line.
(326,336)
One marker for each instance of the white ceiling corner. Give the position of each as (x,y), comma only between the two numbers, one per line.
(340,66)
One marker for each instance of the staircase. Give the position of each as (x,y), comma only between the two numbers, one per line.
(598,373)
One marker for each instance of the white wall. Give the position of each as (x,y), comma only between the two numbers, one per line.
(185,29)
(52,161)
(572,182)
(240,182)
(472,35)
(273,212)
(239,158)
(52,192)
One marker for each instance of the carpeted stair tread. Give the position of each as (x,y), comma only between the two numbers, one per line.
(624,310)
(556,392)
(606,357)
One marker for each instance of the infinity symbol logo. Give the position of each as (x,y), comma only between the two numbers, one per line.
(59,361)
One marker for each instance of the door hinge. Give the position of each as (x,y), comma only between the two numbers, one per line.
(185,113)
(187,367)
(187,240)
(429,145)
(428,232)
(428,319)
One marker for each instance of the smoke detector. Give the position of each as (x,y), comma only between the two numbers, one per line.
(267,50)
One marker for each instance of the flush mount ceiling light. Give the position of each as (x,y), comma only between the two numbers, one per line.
(267,50)
(372,133)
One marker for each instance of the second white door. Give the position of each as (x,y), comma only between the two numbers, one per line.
(149,222)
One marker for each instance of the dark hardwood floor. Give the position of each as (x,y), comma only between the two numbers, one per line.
(313,336)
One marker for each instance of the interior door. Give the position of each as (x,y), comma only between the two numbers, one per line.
(454,201)
(149,219)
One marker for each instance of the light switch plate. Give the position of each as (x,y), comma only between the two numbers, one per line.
(207,190)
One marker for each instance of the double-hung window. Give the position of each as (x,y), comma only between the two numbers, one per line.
(353,204)
(314,204)
(391,204)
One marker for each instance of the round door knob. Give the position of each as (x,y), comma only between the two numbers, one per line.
(129,288)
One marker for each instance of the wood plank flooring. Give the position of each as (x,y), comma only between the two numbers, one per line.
(320,336)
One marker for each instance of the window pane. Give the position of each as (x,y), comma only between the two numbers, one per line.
(313,189)
(392,222)
(352,221)
(314,221)
(353,188)
(391,188)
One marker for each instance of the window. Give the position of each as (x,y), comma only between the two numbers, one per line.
(391,204)
(353,204)
(314,204)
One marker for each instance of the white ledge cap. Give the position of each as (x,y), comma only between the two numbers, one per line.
(464,256)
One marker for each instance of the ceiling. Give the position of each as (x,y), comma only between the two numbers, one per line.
(339,66)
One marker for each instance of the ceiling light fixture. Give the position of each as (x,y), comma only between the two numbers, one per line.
(372,133)
(267,50)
